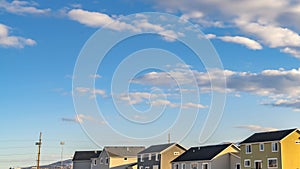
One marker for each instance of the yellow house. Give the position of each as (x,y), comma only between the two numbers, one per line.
(271,150)
(113,157)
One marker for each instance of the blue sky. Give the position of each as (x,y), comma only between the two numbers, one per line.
(257,42)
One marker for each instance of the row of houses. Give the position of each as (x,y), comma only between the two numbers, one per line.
(264,150)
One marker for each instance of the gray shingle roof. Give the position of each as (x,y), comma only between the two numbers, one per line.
(201,153)
(158,148)
(268,136)
(85,155)
(128,151)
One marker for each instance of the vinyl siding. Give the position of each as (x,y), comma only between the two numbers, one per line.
(291,151)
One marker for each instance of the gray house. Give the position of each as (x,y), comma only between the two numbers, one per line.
(83,159)
(223,156)
(159,156)
(118,157)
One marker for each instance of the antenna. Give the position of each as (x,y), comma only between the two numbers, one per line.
(39,144)
(169,137)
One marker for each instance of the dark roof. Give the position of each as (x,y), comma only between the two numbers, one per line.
(124,151)
(85,155)
(201,153)
(159,148)
(268,136)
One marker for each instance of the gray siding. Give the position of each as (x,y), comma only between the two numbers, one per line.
(149,163)
(103,164)
(82,164)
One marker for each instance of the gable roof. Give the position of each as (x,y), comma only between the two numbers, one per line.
(129,151)
(159,148)
(202,153)
(268,136)
(85,155)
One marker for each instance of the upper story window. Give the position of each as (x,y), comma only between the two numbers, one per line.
(261,147)
(238,166)
(106,161)
(141,158)
(141,167)
(176,166)
(205,166)
(194,166)
(95,162)
(274,146)
(156,157)
(248,149)
(101,160)
(183,166)
(149,156)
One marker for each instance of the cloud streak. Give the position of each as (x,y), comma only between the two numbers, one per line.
(256,128)
(22,7)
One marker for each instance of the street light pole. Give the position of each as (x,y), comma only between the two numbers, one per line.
(62,143)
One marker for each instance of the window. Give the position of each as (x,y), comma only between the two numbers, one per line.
(205,166)
(272,163)
(149,156)
(125,158)
(183,166)
(147,167)
(156,157)
(238,166)
(101,160)
(261,147)
(176,166)
(194,166)
(247,163)
(141,167)
(176,153)
(106,161)
(248,149)
(95,162)
(141,157)
(274,147)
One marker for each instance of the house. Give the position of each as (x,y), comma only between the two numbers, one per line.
(276,150)
(118,157)
(222,156)
(83,159)
(159,156)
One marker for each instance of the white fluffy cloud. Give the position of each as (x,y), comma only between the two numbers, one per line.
(7,40)
(273,84)
(22,7)
(291,51)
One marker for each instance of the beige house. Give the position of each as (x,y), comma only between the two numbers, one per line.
(272,150)
(159,156)
(118,157)
(222,156)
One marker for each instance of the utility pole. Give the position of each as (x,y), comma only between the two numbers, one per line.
(169,137)
(39,143)
(62,143)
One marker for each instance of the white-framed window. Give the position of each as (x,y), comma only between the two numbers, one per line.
(204,165)
(106,161)
(176,153)
(183,166)
(147,167)
(261,147)
(238,166)
(194,166)
(141,157)
(248,149)
(176,166)
(149,156)
(95,162)
(101,160)
(156,157)
(247,163)
(141,167)
(274,146)
(272,163)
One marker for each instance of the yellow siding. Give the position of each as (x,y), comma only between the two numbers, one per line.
(230,149)
(168,156)
(291,151)
(117,161)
